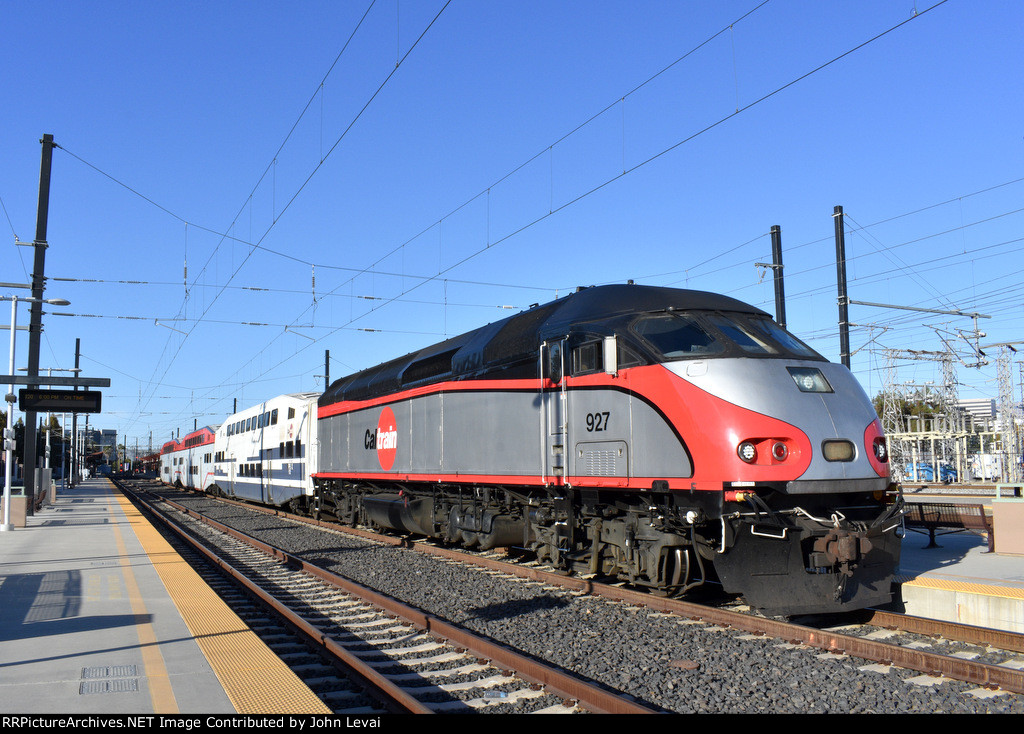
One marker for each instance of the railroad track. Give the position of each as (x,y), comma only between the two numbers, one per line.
(989,658)
(412,661)
(868,646)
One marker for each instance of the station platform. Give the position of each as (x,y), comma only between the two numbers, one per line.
(961,581)
(99,615)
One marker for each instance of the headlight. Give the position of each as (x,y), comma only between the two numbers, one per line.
(809,379)
(881,451)
(838,450)
(747,451)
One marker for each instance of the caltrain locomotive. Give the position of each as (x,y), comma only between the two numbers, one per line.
(668,438)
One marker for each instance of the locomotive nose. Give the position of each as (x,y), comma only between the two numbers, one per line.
(822,400)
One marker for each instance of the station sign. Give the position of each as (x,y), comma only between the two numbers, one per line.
(59,401)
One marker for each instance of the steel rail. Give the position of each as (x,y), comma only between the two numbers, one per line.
(1001,639)
(392,696)
(982,674)
(591,696)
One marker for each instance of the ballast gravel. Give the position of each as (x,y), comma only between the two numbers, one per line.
(675,664)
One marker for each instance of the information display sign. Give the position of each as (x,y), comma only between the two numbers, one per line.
(59,401)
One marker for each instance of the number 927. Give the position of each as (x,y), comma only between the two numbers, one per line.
(597,421)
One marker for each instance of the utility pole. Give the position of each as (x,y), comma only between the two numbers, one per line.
(75,456)
(36,313)
(844,317)
(776,267)
(780,290)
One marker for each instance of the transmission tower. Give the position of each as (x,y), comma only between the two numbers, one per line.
(892,417)
(949,398)
(939,434)
(1008,415)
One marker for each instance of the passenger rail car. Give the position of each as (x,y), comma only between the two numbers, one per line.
(188,462)
(265,453)
(665,437)
(167,462)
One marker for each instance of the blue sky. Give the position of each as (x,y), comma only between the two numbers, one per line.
(371,187)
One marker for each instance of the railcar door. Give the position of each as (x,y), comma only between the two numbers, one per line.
(263,456)
(553,397)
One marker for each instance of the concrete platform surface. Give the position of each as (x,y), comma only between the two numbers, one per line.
(98,614)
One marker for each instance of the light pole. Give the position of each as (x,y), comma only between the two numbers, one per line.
(10,398)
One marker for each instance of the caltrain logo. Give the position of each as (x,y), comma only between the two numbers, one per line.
(384,439)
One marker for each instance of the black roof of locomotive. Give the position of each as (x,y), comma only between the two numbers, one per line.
(519,336)
(608,301)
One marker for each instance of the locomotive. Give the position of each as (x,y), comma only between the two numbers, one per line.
(667,438)
(663,437)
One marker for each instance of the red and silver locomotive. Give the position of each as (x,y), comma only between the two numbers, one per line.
(664,437)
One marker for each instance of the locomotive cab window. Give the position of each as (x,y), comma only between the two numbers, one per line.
(588,358)
(783,338)
(678,336)
(760,335)
(553,363)
(626,356)
(742,335)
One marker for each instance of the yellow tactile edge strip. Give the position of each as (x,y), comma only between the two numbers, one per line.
(254,679)
(161,693)
(1005,592)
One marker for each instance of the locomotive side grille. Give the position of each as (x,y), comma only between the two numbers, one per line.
(600,464)
(601,459)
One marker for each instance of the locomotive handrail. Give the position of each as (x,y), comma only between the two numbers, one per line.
(898,511)
(834,521)
(764,534)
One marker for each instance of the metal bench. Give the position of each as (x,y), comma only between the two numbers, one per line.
(948,517)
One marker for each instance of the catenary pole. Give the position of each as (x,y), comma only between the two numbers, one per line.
(844,317)
(36,314)
(780,289)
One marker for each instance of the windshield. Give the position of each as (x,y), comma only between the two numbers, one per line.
(742,335)
(708,334)
(783,338)
(677,336)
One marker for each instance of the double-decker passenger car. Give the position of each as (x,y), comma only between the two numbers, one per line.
(188,462)
(265,453)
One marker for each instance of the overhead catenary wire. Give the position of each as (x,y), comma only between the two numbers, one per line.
(440,274)
(316,168)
